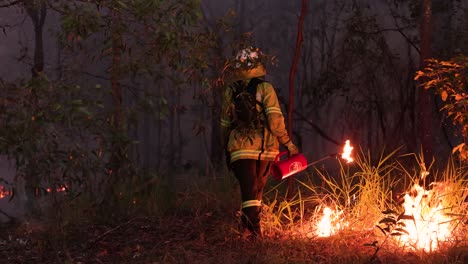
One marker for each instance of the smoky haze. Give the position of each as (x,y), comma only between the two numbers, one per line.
(353,81)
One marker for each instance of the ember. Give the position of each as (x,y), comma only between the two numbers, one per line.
(4,192)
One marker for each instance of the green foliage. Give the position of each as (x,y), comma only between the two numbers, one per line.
(164,33)
(51,133)
(59,132)
(449,80)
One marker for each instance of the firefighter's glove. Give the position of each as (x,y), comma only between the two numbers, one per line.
(292,149)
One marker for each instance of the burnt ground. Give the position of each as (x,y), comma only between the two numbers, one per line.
(204,237)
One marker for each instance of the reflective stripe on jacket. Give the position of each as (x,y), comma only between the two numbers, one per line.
(262,143)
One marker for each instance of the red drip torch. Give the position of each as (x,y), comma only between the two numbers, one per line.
(282,169)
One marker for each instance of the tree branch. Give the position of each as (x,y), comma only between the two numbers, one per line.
(292,72)
(312,124)
(399,30)
(8,4)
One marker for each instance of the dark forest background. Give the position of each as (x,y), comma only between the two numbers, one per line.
(109,99)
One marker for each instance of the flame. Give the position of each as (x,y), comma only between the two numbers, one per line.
(330,223)
(430,225)
(347,149)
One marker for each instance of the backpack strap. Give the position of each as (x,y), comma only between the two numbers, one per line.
(252,88)
(253,83)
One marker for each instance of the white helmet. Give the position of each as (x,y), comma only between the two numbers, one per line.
(248,63)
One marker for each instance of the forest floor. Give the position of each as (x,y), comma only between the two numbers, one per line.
(202,237)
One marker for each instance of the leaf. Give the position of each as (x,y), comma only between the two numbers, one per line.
(401,230)
(57,107)
(77,102)
(418,75)
(389,211)
(381,229)
(83,110)
(458,148)
(373,244)
(405,217)
(122,4)
(444,95)
(387,220)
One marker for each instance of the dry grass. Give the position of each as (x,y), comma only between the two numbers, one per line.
(359,195)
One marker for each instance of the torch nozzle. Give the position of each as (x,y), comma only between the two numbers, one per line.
(323,158)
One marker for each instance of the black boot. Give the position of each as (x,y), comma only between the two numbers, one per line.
(251,221)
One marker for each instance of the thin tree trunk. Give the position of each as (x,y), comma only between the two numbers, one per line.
(38,14)
(116,160)
(115,72)
(172,128)
(425,102)
(216,148)
(180,141)
(159,134)
(292,74)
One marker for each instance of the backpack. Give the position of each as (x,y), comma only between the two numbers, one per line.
(245,114)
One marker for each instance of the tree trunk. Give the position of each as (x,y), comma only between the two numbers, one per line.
(37,13)
(116,161)
(425,102)
(292,74)
(216,149)
(115,72)
(172,130)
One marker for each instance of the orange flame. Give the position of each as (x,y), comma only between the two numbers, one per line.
(347,149)
(330,223)
(430,225)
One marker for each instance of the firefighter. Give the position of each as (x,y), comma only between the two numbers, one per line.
(250,152)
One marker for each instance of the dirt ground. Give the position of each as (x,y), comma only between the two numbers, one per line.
(194,238)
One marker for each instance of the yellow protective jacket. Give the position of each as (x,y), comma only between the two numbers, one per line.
(261,143)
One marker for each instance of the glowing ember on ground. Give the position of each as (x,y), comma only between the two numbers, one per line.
(430,225)
(3,192)
(330,223)
(347,149)
(58,189)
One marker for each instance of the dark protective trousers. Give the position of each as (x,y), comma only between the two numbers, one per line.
(252,176)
